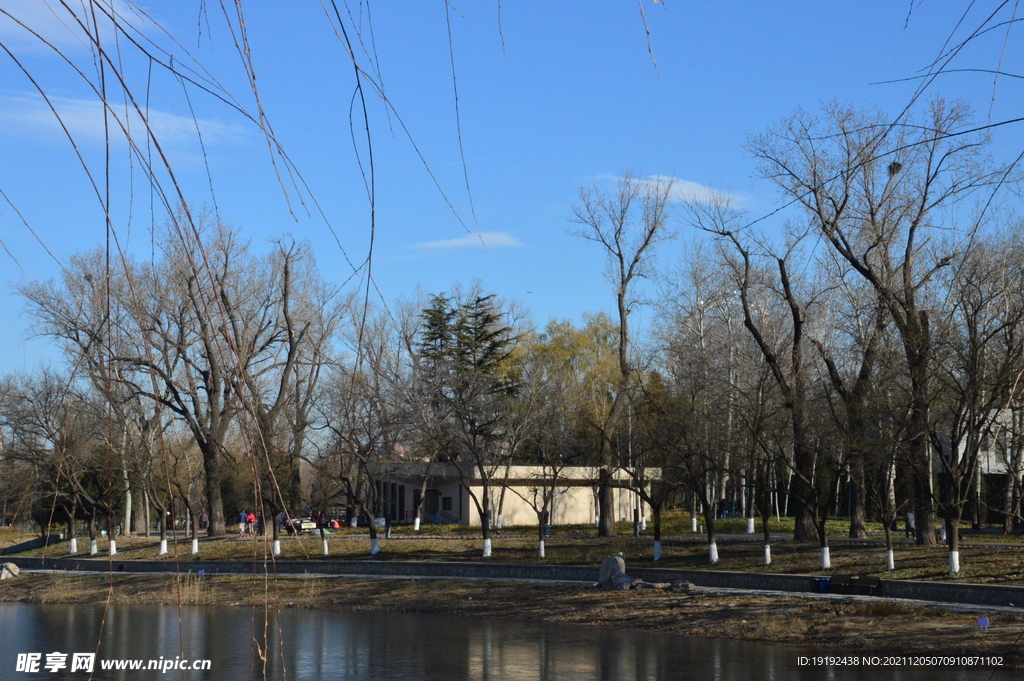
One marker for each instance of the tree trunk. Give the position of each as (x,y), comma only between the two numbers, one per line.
(656,513)
(163,522)
(374,548)
(917,345)
(803,526)
(924,507)
(1007,505)
(766,512)
(92,532)
(826,558)
(423,496)
(214,501)
(858,521)
(803,464)
(890,561)
(709,520)
(953,539)
(606,501)
(72,539)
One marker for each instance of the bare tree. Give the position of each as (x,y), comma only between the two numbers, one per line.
(366,411)
(282,320)
(875,191)
(628,224)
(785,354)
(980,341)
(57,430)
(848,344)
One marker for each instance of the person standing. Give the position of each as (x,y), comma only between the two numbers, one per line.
(242,519)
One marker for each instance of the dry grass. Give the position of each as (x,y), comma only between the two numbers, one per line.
(192,591)
(995,564)
(60,588)
(9,536)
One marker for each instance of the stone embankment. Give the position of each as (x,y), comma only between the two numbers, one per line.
(967,594)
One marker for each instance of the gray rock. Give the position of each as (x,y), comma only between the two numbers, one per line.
(621,583)
(613,573)
(9,571)
(682,586)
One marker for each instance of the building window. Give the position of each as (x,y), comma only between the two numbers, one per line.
(446,503)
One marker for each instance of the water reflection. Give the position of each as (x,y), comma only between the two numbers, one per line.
(303,644)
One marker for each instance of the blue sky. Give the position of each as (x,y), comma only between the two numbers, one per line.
(571,98)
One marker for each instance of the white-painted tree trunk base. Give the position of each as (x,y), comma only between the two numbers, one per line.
(643,524)
(354,522)
(890,560)
(416,525)
(942,532)
(826,559)
(195,546)
(693,524)
(954,562)
(276,548)
(499,522)
(713,553)
(326,551)
(374,548)
(163,547)
(74,546)
(94,547)
(657,550)
(597,521)
(540,548)
(767,554)
(113,547)
(487,548)
(750,526)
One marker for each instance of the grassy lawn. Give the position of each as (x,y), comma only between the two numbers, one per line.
(9,536)
(995,564)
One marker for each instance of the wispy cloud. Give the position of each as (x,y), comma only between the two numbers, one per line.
(54,23)
(685,190)
(84,120)
(477,240)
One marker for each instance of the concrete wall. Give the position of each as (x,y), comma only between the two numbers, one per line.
(973,594)
(573,505)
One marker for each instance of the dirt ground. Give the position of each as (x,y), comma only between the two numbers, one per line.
(876,627)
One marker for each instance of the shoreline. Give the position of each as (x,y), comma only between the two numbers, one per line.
(876,626)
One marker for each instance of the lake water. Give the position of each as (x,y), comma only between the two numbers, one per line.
(319,644)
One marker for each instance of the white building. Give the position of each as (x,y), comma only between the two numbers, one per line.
(517,493)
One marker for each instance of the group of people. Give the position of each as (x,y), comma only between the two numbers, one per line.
(249,523)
